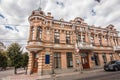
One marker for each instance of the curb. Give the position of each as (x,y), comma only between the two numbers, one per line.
(55,75)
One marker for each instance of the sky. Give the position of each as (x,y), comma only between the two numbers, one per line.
(14,25)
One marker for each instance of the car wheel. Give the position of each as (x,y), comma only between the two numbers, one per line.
(115,68)
(105,69)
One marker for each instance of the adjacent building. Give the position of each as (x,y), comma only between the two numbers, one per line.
(57,46)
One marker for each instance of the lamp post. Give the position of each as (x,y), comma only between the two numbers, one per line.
(77,50)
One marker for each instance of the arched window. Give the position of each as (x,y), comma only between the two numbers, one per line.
(39,33)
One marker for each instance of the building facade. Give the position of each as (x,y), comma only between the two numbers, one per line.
(57,46)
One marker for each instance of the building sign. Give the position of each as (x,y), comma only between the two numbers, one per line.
(47,59)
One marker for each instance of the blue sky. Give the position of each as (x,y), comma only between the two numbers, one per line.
(16,13)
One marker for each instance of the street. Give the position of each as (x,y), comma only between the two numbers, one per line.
(102,75)
(106,76)
(86,75)
(10,72)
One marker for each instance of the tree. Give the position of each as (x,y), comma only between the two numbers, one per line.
(3,60)
(25,59)
(15,55)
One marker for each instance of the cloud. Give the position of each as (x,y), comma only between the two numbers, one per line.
(17,12)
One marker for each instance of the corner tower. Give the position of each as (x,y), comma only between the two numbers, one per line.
(39,38)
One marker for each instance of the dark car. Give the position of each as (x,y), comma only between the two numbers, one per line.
(112,65)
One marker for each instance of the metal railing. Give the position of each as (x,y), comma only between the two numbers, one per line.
(84,45)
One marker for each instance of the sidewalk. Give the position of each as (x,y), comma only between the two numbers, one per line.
(36,77)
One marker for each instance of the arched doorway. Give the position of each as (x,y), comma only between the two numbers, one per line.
(85,60)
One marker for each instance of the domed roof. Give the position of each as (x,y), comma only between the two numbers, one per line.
(38,12)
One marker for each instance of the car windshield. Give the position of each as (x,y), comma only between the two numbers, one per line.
(111,62)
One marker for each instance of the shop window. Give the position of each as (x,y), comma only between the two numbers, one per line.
(57,60)
(104,58)
(96,59)
(69,59)
(111,56)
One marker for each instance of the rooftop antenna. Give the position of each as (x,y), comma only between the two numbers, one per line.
(40,6)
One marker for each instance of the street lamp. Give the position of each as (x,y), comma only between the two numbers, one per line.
(77,50)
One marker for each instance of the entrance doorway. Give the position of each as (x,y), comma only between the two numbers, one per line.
(35,63)
(85,60)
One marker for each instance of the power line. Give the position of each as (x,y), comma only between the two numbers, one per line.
(16,25)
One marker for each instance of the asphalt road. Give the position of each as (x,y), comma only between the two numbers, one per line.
(102,75)
(93,75)
(105,76)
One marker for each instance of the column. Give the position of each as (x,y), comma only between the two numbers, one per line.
(86,38)
(81,37)
(101,59)
(30,63)
(40,63)
(96,39)
(63,60)
(91,62)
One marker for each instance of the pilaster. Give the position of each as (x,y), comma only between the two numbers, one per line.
(30,64)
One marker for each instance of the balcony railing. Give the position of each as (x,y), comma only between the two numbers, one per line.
(85,46)
(116,48)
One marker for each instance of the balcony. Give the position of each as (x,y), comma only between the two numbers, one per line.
(116,48)
(85,46)
(34,46)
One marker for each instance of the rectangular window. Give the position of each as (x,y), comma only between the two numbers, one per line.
(83,38)
(106,40)
(57,37)
(104,58)
(69,59)
(79,38)
(57,60)
(114,41)
(92,39)
(111,56)
(67,38)
(100,40)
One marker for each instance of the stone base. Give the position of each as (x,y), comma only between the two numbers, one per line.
(48,72)
(29,72)
(64,70)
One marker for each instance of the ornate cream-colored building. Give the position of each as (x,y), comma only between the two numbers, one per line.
(57,46)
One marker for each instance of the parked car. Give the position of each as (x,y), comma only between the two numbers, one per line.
(112,66)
